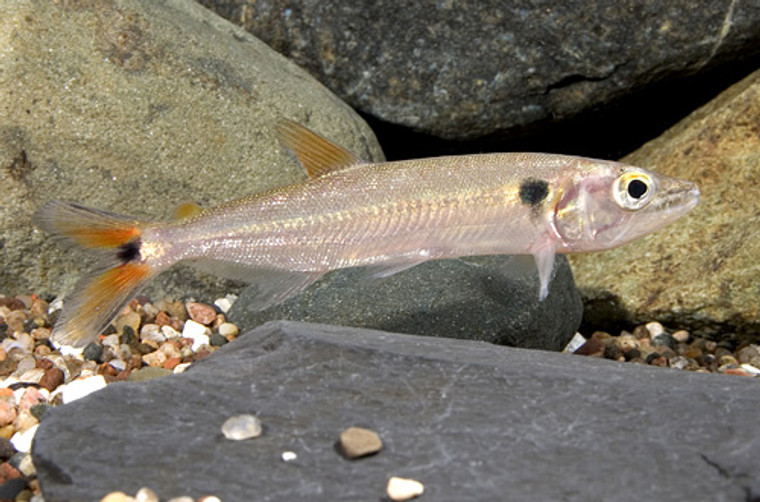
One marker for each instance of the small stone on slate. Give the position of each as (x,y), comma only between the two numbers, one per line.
(404,489)
(358,442)
(241,427)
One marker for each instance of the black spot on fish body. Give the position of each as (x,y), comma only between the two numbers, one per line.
(533,191)
(129,251)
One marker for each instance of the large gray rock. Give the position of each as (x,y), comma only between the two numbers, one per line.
(701,273)
(492,299)
(471,421)
(136,106)
(463,69)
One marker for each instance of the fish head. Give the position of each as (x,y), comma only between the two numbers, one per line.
(607,204)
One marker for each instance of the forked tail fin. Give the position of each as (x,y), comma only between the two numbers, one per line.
(98,297)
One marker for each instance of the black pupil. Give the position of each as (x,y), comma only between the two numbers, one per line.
(637,188)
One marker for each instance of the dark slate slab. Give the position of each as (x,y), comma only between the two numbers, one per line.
(492,299)
(470,420)
(468,68)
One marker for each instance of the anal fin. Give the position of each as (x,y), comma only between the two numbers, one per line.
(274,285)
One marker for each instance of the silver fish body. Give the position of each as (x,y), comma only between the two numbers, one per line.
(391,216)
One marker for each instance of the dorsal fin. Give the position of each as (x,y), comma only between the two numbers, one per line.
(187,210)
(316,154)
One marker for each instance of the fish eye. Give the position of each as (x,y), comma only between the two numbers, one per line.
(633,190)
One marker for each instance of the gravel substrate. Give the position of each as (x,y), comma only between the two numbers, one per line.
(147,340)
(154,339)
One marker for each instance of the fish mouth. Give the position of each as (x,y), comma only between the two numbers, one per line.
(677,200)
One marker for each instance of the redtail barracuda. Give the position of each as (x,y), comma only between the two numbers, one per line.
(387,216)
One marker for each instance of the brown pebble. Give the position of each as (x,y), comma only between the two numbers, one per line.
(201,313)
(358,442)
(163,319)
(171,363)
(52,378)
(44,364)
(593,347)
(7,471)
(12,303)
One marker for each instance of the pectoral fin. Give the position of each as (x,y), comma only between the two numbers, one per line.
(544,257)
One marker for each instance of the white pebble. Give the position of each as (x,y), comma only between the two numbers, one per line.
(180,368)
(56,304)
(289,456)
(118,364)
(751,369)
(169,332)
(152,332)
(184,498)
(197,333)
(210,498)
(22,441)
(404,489)
(77,389)
(146,495)
(240,427)
(575,343)
(225,303)
(111,342)
(655,329)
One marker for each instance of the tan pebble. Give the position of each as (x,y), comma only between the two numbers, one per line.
(131,319)
(4,354)
(7,413)
(228,330)
(25,421)
(155,359)
(201,313)
(42,350)
(404,489)
(177,309)
(117,497)
(26,466)
(15,321)
(146,495)
(32,376)
(640,332)
(7,431)
(358,442)
(39,308)
(681,336)
(184,498)
(26,300)
(171,350)
(728,360)
(628,342)
(41,333)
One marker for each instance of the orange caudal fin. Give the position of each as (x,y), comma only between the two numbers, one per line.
(96,300)
(99,297)
(90,228)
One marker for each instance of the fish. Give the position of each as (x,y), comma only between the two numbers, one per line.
(385,216)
